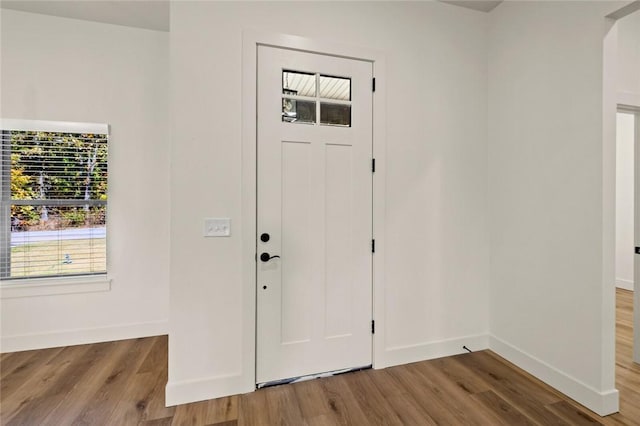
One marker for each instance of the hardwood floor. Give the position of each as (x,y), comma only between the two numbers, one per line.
(627,372)
(122,383)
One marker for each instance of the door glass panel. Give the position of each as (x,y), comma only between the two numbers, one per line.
(298,83)
(335,114)
(316,87)
(335,88)
(297,111)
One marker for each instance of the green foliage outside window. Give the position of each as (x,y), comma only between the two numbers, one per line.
(57,166)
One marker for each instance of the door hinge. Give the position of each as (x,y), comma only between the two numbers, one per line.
(373,165)
(373,84)
(373,327)
(373,246)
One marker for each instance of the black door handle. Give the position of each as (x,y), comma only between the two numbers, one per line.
(265,257)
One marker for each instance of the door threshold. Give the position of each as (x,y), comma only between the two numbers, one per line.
(310,377)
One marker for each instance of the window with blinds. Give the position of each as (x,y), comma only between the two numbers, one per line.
(53,199)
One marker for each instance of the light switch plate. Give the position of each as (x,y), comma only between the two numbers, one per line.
(217,227)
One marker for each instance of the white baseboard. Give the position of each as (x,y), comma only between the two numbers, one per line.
(399,355)
(183,392)
(59,338)
(602,403)
(624,284)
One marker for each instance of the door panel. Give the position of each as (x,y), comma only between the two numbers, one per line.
(297,214)
(338,236)
(314,200)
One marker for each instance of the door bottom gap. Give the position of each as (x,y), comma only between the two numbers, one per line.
(310,377)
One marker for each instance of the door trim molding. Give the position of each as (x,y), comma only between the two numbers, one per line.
(250,41)
(630,104)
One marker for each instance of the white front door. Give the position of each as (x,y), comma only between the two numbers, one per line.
(314,301)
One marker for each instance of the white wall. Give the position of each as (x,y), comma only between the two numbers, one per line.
(625,140)
(550,185)
(436,251)
(69,70)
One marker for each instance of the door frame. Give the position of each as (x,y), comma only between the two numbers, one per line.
(636,213)
(629,105)
(251,40)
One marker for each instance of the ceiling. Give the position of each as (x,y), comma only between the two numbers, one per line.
(149,14)
(481,5)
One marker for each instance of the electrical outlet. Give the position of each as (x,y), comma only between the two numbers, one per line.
(217,227)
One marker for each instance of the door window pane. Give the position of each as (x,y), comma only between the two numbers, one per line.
(335,114)
(297,111)
(298,83)
(335,88)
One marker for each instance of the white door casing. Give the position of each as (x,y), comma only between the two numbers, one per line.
(636,257)
(314,186)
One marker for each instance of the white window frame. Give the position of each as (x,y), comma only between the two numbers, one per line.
(28,287)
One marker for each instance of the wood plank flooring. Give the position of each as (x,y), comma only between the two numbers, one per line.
(122,383)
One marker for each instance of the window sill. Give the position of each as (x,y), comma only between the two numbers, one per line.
(10,289)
